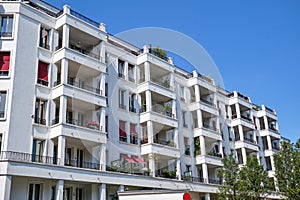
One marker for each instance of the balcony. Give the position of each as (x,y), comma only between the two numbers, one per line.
(209,159)
(132,109)
(26,157)
(42,82)
(86,87)
(246,118)
(88,124)
(214,181)
(44,45)
(169,143)
(163,111)
(209,103)
(249,140)
(5,34)
(83,164)
(38,120)
(162,83)
(208,126)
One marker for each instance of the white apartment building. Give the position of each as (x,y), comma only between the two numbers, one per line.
(84,114)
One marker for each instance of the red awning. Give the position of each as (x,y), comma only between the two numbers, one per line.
(186,196)
(130,160)
(122,132)
(137,159)
(43,71)
(4,61)
(132,129)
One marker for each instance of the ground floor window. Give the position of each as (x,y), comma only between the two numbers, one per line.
(34,192)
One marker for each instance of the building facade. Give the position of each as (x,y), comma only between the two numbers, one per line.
(96,115)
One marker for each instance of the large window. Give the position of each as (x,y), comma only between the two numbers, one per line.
(4,63)
(187,149)
(43,73)
(122,131)
(34,192)
(37,150)
(40,111)
(121,64)
(44,38)
(122,99)
(2,103)
(6,26)
(133,134)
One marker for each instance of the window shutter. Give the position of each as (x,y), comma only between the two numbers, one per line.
(43,71)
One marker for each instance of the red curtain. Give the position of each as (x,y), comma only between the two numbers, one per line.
(132,129)
(43,71)
(4,61)
(122,132)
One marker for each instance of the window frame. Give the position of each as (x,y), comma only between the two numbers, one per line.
(7,16)
(5,104)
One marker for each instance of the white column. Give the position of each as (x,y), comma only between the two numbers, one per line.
(103,157)
(102,52)
(172,84)
(174,109)
(176,138)
(237,109)
(199,118)
(244,155)
(197,93)
(126,70)
(62,109)
(272,162)
(205,172)
(64,70)
(61,150)
(102,192)
(150,131)
(65,36)
(148,101)
(269,142)
(152,165)
(178,169)
(221,148)
(202,145)
(102,119)
(207,196)
(59,190)
(266,122)
(5,182)
(127,130)
(241,133)
(147,71)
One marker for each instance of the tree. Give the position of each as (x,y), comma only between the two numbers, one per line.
(287,173)
(229,174)
(253,181)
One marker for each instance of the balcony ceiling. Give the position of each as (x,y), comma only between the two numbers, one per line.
(85,39)
(81,71)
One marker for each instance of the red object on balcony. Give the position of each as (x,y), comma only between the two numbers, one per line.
(186,196)
(43,71)
(122,132)
(4,61)
(137,159)
(130,160)
(132,130)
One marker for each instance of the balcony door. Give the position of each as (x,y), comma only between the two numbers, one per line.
(79,158)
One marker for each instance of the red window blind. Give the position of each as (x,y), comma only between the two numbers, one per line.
(4,61)
(43,71)
(132,129)
(122,132)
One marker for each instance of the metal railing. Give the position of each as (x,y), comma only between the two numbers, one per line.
(42,82)
(165,84)
(55,121)
(2,114)
(77,84)
(208,126)
(246,118)
(215,181)
(44,45)
(82,164)
(48,12)
(169,143)
(84,18)
(5,34)
(249,140)
(132,109)
(4,72)
(38,120)
(208,102)
(26,157)
(84,51)
(76,122)
(163,111)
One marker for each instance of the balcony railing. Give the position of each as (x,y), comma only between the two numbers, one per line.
(133,139)
(163,111)
(249,140)
(42,82)
(270,110)
(131,79)
(163,83)
(2,114)
(89,124)
(164,142)
(42,9)
(84,51)
(89,88)
(208,126)
(122,139)
(121,75)
(44,45)
(122,106)
(214,154)
(5,34)
(208,102)
(132,109)
(55,121)
(38,120)
(26,157)
(84,164)
(246,118)
(214,181)
(275,147)
(4,72)
(273,129)
(84,18)
(157,54)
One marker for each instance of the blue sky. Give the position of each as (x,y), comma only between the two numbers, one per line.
(254,43)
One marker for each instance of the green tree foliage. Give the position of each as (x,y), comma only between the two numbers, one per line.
(287,165)
(230,174)
(253,180)
(160,53)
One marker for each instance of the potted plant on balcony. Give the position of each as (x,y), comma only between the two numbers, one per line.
(144,141)
(93,125)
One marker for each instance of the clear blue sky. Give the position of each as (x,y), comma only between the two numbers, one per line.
(254,43)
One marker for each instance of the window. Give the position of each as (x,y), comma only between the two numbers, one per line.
(184,119)
(0,142)
(42,73)
(122,131)
(34,192)
(6,26)
(131,103)
(121,69)
(67,194)
(2,103)
(4,63)
(44,38)
(79,194)
(37,150)
(182,96)
(40,111)
(187,146)
(131,73)
(133,134)
(122,99)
